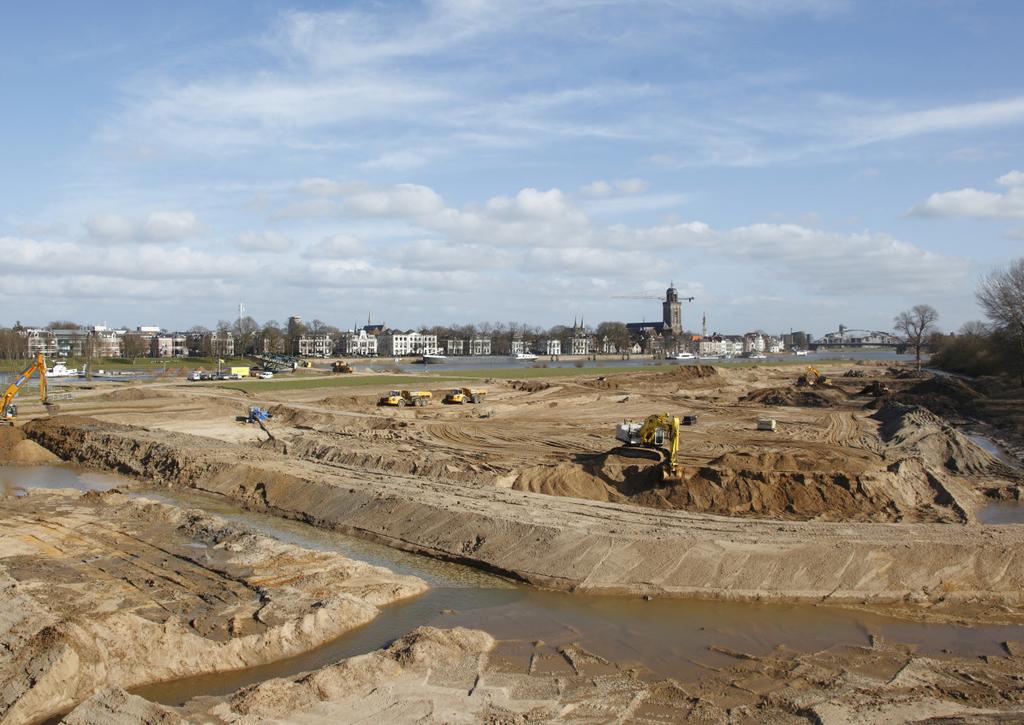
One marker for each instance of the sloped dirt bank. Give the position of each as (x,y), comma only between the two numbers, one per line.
(100,590)
(581,545)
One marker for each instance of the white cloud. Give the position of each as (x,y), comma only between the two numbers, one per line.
(597,189)
(632,186)
(977,204)
(1013,178)
(159,226)
(266,241)
(336,246)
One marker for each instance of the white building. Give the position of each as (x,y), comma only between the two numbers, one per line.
(454,347)
(732,345)
(549,347)
(753,342)
(169,345)
(518,346)
(847,336)
(359,343)
(711,345)
(41,341)
(773,345)
(480,346)
(399,344)
(320,345)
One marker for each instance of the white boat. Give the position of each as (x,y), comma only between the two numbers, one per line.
(710,357)
(681,356)
(524,356)
(431,358)
(801,353)
(758,356)
(60,370)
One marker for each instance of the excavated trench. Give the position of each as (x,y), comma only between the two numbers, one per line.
(668,638)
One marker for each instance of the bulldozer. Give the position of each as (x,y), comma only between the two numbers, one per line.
(813,377)
(460,396)
(340,366)
(657,438)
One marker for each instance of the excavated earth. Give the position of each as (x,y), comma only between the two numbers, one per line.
(853,500)
(85,579)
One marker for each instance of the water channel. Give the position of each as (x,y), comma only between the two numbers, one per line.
(667,637)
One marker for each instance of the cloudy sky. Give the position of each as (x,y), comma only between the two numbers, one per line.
(790,163)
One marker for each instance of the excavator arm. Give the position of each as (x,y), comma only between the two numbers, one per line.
(38,366)
(662,431)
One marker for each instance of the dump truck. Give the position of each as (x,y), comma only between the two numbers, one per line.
(459,396)
(398,398)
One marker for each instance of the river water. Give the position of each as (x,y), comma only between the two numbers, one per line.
(668,637)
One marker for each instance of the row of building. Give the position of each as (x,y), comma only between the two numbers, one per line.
(378,340)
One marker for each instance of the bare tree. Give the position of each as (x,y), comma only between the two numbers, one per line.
(916,324)
(1001,296)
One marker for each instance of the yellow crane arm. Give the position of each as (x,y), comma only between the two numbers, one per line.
(38,366)
(668,427)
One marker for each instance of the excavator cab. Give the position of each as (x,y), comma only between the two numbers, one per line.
(657,438)
(394,397)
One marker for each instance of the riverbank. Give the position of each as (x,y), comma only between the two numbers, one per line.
(85,578)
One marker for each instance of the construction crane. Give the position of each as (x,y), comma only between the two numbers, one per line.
(9,411)
(660,434)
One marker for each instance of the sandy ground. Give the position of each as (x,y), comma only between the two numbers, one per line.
(86,578)
(464,676)
(866,495)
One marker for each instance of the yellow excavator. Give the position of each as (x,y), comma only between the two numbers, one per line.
(659,435)
(8,410)
(813,377)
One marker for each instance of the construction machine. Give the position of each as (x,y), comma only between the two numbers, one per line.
(455,396)
(340,366)
(459,396)
(398,398)
(8,410)
(813,376)
(419,398)
(657,435)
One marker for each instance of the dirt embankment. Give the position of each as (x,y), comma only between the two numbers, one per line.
(86,577)
(460,675)
(578,545)
(821,398)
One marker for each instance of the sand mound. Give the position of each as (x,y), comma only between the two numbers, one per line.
(127,395)
(15,448)
(529,386)
(788,486)
(914,432)
(823,398)
(943,395)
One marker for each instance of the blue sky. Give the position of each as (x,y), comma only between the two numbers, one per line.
(790,163)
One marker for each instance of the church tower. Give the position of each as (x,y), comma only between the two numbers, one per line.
(672,311)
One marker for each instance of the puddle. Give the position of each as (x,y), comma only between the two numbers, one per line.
(1002,512)
(15,479)
(668,637)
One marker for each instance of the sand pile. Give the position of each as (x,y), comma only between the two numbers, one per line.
(943,395)
(529,386)
(777,485)
(914,432)
(15,448)
(802,398)
(128,395)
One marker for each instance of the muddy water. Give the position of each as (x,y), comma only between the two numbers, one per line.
(669,638)
(15,479)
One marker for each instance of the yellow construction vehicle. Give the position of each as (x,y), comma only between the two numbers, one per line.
(455,396)
(340,366)
(418,398)
(474,395)
(9,411)
(658,434)
(813,376)
(399,398)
